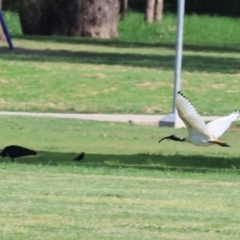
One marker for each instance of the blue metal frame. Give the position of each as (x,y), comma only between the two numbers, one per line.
(5,30)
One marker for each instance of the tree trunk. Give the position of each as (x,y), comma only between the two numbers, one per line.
(36,17)
(158,13)
(154,11)
(90,18)
(2,35)
(123,7)
(149,15)
(101,18)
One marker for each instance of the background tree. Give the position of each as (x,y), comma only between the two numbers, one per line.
(36,16)
(2,35)
(123,7)
(149,15)
(210,7)
(154,10)
(158,11)
(91,18)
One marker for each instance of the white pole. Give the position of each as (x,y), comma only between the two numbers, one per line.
(172,119)
(179,47)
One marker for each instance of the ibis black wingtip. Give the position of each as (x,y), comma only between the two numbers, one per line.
(225,145)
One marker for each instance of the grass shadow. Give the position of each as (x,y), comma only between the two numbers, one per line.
(227,65)
(118,43)
(179,163)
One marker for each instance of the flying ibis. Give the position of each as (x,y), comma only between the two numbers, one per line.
(14,151)
(199,133)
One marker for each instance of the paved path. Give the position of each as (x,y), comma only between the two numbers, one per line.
(128,118)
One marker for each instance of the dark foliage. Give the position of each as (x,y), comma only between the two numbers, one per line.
(209,7)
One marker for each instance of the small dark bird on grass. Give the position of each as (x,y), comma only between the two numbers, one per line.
(14,151)
(79,157)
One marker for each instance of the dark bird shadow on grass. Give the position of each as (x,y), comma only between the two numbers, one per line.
(178,163)
(79,157)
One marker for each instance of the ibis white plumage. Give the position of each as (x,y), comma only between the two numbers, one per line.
(199,133)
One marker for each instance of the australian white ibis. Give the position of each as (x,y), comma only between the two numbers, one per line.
(14,151)
(199,133)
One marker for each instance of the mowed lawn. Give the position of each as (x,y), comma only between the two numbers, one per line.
(125,75)
(128,186)
(85,78)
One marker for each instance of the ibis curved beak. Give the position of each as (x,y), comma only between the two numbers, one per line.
(168,137)
(171,137)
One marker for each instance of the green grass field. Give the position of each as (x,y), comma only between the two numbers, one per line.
(128,186)
(57,74)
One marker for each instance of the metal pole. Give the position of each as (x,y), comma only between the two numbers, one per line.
(172,119)
(5,30)
(179,47)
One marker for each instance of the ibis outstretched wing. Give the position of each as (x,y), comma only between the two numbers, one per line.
(189,116)
(219,126)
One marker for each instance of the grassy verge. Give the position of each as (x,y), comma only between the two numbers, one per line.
(127,75)
(114,144)
(200,32)
(48,203)
(127,187)
(64,77)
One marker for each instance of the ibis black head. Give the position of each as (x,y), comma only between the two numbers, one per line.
(14,151)
(79,157)
(174,138)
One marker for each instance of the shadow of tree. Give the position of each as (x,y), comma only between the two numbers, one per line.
(118,43)
(228,65)
(179,163)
